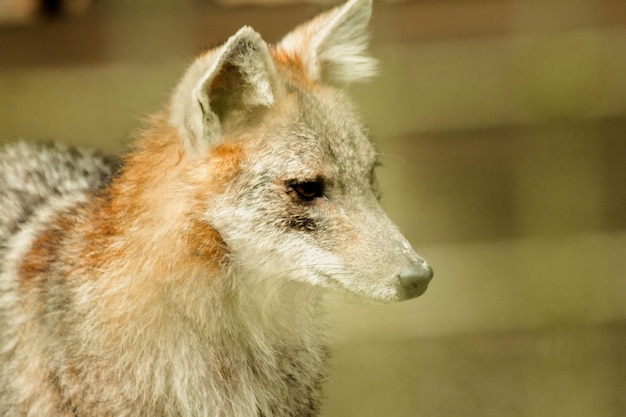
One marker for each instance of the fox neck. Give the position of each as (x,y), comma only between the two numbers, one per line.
(168,273)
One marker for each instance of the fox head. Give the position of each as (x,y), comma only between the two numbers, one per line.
(298,198)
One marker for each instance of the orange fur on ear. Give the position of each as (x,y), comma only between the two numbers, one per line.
(228,81)
(290,65)
(333,46)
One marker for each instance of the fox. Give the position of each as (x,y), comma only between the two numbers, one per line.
(186,276)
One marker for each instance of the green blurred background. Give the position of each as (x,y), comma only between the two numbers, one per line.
(503,129)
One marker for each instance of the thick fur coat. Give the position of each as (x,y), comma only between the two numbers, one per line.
(184,278)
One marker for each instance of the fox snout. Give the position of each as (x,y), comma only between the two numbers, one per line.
(413,280)
(413,273)
(393,270)
(414,277)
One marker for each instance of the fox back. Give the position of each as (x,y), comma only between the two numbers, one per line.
(185,277)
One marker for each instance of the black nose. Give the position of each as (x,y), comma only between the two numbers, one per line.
(414,279)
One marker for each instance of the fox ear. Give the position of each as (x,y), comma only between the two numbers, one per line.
(225,86)
(332,46)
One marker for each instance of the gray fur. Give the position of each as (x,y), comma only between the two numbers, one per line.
(30,173)
(187,281)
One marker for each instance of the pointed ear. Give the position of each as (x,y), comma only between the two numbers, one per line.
(332,46)
(225,86)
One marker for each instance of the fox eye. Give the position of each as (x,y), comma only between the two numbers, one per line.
(307,190)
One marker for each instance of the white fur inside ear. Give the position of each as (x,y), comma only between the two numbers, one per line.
(334,45)
(343,44)
(192,111)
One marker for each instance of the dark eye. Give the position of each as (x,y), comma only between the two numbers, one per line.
(307,190)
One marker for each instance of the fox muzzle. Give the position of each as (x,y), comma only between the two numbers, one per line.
(413,280)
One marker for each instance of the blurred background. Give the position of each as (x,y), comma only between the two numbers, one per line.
(503,129)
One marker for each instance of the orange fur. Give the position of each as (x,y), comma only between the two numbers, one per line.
(223,165)
(290,66)
(187,282)
(41,256)
(161,188)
